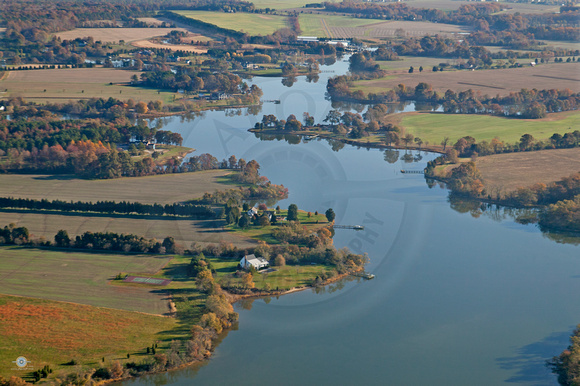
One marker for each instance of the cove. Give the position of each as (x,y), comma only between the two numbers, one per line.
(457,300)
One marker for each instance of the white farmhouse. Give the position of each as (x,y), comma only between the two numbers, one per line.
(253,261)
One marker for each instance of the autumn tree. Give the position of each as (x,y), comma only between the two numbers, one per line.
(249,280)
(141,108)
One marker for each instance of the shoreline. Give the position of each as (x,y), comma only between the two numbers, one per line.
(352,142)
(232,298)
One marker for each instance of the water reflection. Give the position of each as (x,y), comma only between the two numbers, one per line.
(499,213)
(289,81)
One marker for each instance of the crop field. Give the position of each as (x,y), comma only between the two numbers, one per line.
(79,277)
(184,231)
(506,172)
(250,23)
(391,29)
(335,26)
(172,47)
(115,34)
(491,82)
(61,85)
(54,333)
(447,5)
(163,189)
(281,4)
(433,127)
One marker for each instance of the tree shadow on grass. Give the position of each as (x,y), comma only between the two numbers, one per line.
(60,177)
(530,362)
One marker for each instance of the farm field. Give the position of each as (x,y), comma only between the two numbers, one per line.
(54,333)
(321,25)
(433,127)
(447,5)
(506,172)
(185,232)
(250,23)
(491,82)
(389,29)
(171,47)
(115,34)
(163,189)
(79,277)
(77,83)
(280,4)
(562,44)
(405,62)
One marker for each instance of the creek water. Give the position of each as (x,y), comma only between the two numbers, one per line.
(458,299)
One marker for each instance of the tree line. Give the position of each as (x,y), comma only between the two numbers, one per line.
(111,207)
(531,104)
(559,201)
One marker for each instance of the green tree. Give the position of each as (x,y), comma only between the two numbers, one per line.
(244,221)
(61,239)
(169,244)
(292,212)
(330,215)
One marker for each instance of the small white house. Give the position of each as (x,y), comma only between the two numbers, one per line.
(252,212)
(253,261)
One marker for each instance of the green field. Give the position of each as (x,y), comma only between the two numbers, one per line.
(318,25)
(285,278)
(79,277)
(265,233)
(434,127)
(54,333)
(280,4)
(250,23)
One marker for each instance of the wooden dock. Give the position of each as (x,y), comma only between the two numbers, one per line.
(355,227)
(412,171)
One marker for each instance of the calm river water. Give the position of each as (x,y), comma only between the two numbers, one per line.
(457,300)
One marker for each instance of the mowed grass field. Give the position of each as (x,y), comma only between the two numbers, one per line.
(62,85)
(54,333)
(162,189)
(250,23)
(115,34)
(433,127)
(80,277)
(284,278)
(507,172)
(491,82)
